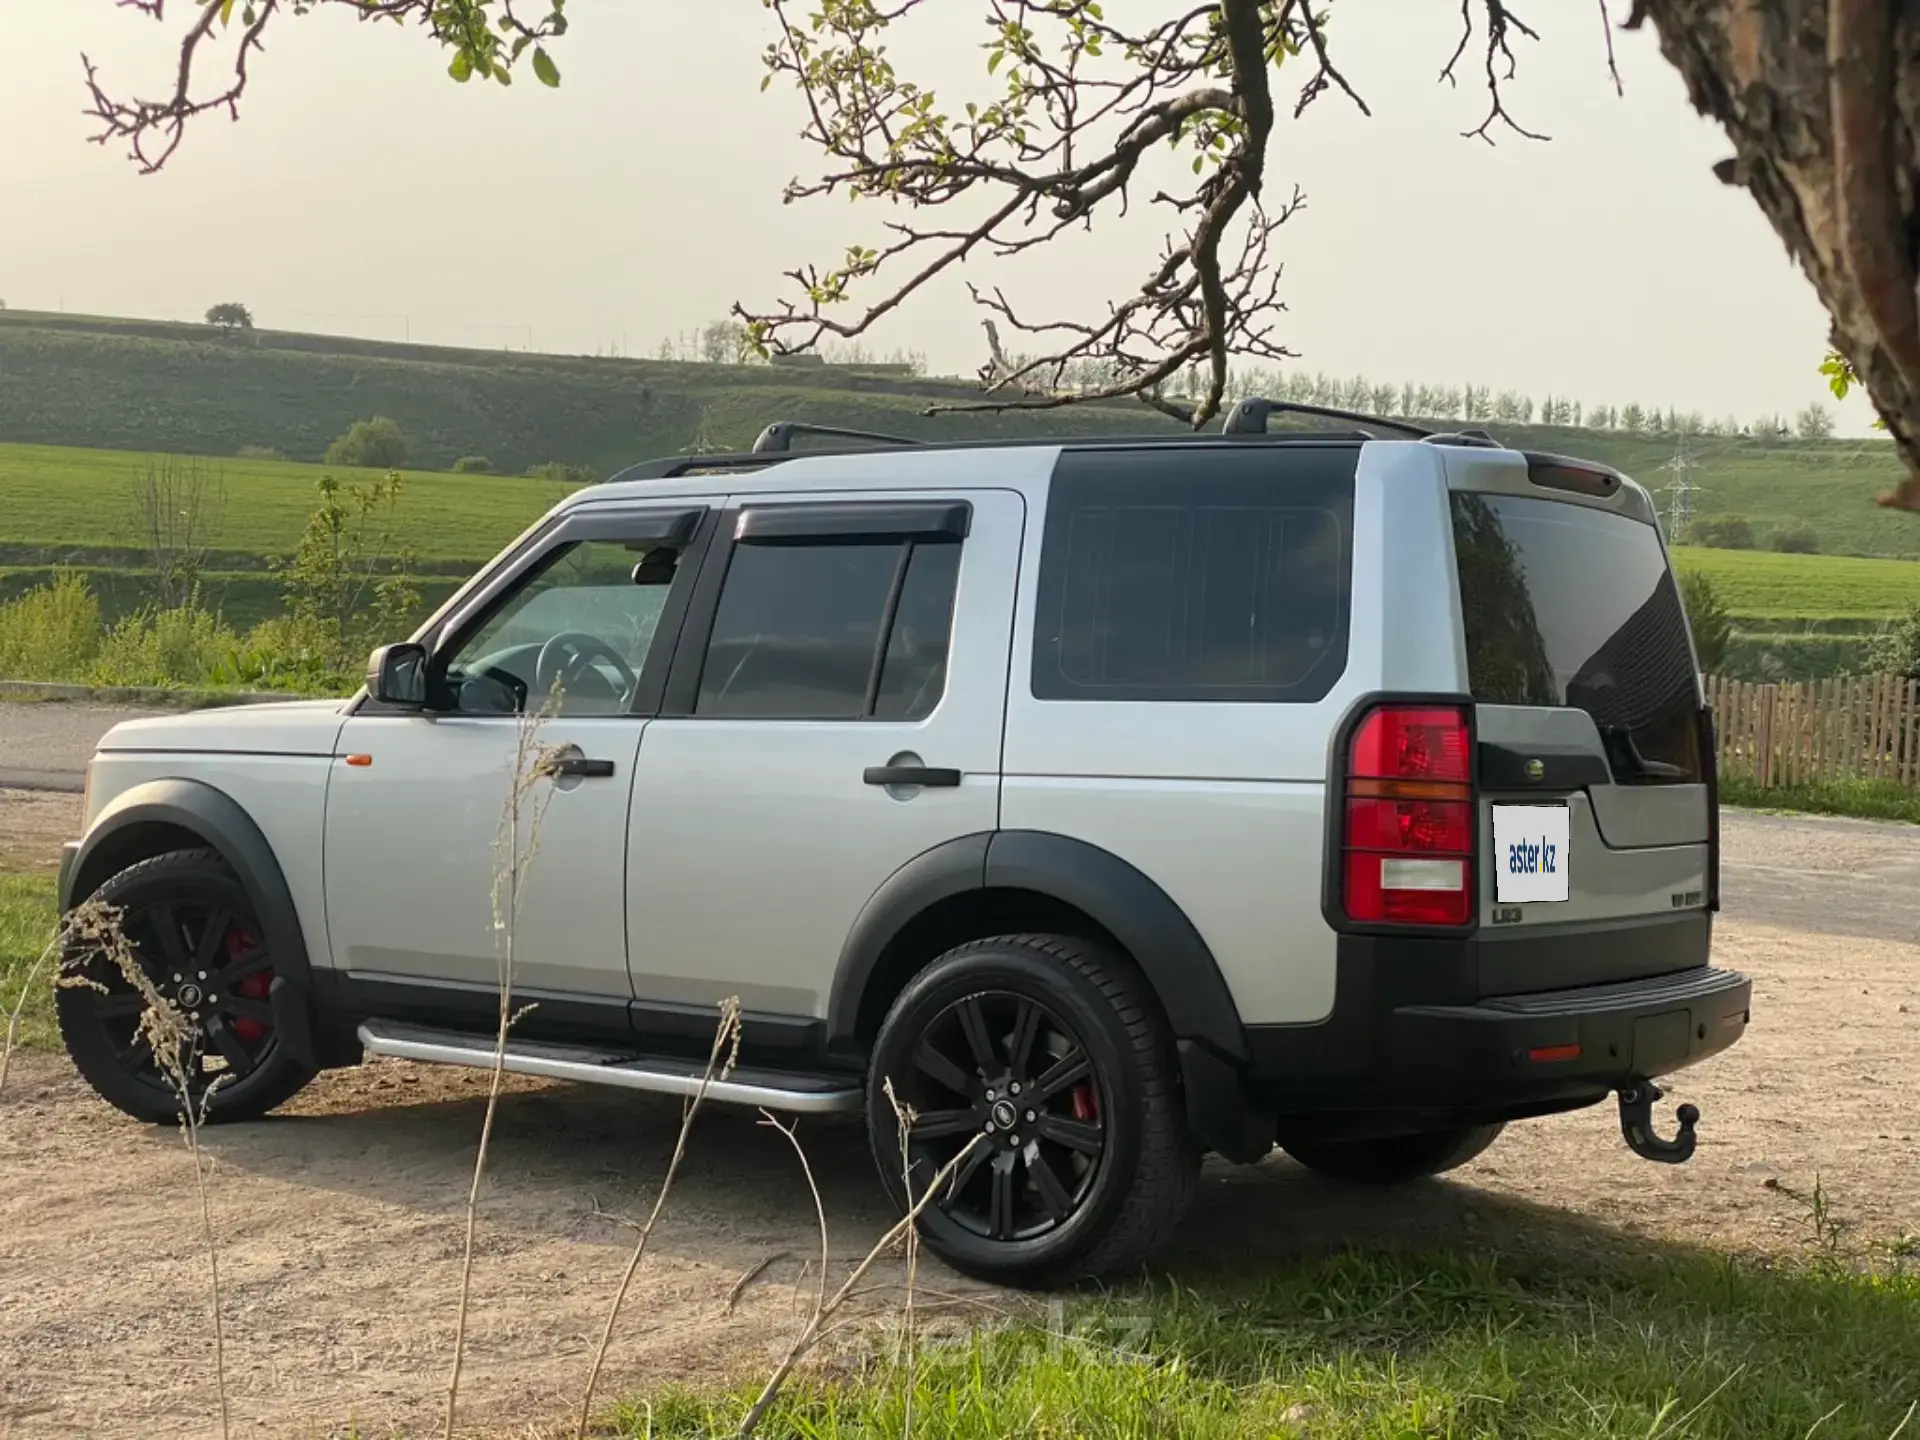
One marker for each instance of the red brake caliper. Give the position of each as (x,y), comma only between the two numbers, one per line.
(1086,1101)
(253,987)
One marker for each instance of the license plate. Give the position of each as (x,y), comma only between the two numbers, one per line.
(1530,854)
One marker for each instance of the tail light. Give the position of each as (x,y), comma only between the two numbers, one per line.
(1407,852)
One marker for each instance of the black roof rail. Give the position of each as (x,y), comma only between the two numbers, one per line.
(672,466)
(1249,417)
(1476,437)
(779,436)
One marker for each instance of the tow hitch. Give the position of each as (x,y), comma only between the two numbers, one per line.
(1636,1125)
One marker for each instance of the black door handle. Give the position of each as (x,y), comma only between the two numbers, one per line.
(579,766)
(910,775)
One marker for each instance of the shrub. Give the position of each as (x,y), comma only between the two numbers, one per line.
(181,646)
(473,465)
(1896,649)
(1707,616)
(564,474)
(376,444)
(281,654)
(50,633)
(1797,540)
(348,584)
(1722,532)
(259,452)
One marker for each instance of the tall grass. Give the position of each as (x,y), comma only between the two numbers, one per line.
(26,920)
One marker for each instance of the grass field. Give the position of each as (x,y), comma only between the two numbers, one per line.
(1621,1336)
(137,386)
(1762,585)
(75,505)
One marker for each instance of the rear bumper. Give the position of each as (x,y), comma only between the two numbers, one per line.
(1499,1027)
(1522,1049)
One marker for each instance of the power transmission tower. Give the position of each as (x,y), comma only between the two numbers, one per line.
(1680,493)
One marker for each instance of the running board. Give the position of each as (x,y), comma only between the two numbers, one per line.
(660,1075)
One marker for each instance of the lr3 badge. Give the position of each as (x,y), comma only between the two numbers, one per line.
(1530,854)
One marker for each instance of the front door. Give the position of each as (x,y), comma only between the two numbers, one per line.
(568,657)
(836,710)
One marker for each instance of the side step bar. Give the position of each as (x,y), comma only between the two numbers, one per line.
(660,1075)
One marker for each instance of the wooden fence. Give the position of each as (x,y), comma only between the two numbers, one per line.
(1863,727)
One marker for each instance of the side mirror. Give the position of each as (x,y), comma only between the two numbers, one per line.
(397,675)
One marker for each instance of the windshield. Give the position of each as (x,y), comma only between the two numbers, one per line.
(1567,605)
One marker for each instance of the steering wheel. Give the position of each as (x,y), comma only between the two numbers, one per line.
(566,656)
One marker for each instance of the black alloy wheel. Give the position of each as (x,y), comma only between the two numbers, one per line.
(1007,1069)
(1041,1082)
(196,939)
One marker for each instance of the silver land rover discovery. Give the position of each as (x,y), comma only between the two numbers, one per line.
(1119,801)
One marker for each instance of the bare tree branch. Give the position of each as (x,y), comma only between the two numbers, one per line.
(1499,64)
(1086,107)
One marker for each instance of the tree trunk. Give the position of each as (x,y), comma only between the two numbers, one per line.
(1821,99)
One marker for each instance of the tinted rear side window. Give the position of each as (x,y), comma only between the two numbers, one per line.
(800,626)
(1567,605)
(1197,575)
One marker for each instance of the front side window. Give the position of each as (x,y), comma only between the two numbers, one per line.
(831,630)
(576,634)
(1195,575)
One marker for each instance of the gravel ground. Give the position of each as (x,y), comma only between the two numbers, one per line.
(340,1220)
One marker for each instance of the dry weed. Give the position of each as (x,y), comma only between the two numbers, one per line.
(720,1062)
(92,932)
(516,844)
(826,1307)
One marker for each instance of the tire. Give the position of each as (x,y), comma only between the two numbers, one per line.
(184,894)
(1107,1169)
(1397,1159)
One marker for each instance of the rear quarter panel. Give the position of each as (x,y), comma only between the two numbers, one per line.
(1224,804)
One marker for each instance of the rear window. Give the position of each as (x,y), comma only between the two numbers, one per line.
(1567,605)
(1195,575)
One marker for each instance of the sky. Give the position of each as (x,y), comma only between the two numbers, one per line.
(363,192)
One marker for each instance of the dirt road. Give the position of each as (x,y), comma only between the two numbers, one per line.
(340,1220)
(45,746)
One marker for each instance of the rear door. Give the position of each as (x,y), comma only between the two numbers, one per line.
(1594,771)
(835,709)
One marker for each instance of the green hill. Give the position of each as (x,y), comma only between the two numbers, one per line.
(83,399)
(98,382)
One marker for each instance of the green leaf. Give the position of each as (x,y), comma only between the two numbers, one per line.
(500,74)
(545,69)
(462,67)
(993,60)
(226,12)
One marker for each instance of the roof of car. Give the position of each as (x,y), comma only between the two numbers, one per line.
(931,460)
(674,466)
